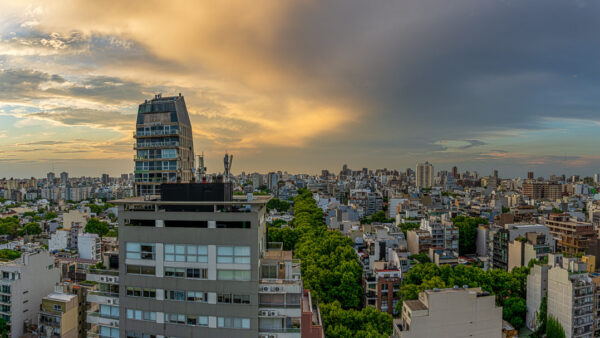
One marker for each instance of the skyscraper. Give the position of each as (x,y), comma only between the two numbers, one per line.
(64,177)
(165,150)
(424,175)
(50,177)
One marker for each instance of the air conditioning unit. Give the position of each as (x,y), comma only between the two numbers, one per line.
(264,336)
(265,288)
(275,288)
(264,313)
(272,313)
(109,301)
(272,336)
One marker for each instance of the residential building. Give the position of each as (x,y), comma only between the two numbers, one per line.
(541,190)
(311,324)
(103,301)
(424,175)
(537,289)
(531,246)
(572,237)
(74,217)
(58,316)
(196,263)
(59,240)
(442,235)
(381,288)
(418,241)
(571,298)
(89,246)
(25,281)
(164,144)
(450,313)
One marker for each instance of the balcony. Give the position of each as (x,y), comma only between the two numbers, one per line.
(137,134)
(148,145)
(105,320)
(100,297)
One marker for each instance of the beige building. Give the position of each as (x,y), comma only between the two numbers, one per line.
(450,313)
(424,175)
(418,241)
(59,316)
(531,246)
(74,217)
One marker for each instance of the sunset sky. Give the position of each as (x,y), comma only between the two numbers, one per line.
(305,85)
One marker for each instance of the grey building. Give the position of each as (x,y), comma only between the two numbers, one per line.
(164,144)
(196,264)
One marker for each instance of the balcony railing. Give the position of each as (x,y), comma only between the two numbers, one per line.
(155,144)
(280,330)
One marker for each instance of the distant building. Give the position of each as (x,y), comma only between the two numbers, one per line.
(418,241)
(89,246)
(450,313)
(424,175)
(525,248)
(537,289)
(540,191)
(572,237)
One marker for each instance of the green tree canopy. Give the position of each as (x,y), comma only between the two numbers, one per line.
(554,329)
(467,233)
(9,254)
(94,226)
(50,215)
(366,322)
(32,228)
(277,204)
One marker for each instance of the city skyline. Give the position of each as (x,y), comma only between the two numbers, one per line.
(299,87)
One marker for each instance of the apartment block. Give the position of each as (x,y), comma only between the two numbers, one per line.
(418,241)
(25,281)
(103,310)
(525,248)
(89,247)
(450,313)
(541,190)
(537,289)
(196,263)
(572,237)
(59,316)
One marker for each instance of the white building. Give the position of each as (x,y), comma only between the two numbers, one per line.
(89,246)
(74,217)
(25,281)
(59,240)
(450,313)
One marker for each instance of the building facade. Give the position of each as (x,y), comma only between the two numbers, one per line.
(164,144)
(424,175)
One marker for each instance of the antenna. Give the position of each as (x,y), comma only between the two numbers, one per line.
(227,161)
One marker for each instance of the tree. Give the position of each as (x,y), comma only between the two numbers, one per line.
(514,310)
(50,215)
(421,258)
(541,317)
(467,233)
(94,226)
(4,328)
(32,228)
(554,329)
(277,204)
(9,254)
(366,322)
(378,217)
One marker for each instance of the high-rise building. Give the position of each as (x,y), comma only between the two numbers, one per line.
(530,175)
(455,172)
(64,177)
(50,178)
(197,264)
(539,190)
(164,144)
(105,179)
(424,175)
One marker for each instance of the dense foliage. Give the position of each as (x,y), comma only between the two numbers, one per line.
(50,215)
(554,329)
(508,287)
(277,204)
(32,228)
(421,258)
(95,226)
(9,226)
(467,233)
(378,217)
(8,254)
(367,322)
(408,226)
(330,269)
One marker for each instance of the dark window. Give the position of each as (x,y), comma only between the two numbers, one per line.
(141,222)
(233,224)
(186,224)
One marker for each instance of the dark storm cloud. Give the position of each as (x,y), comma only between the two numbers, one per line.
(451,69)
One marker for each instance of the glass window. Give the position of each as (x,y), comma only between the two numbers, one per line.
(230,254)
(243,275)
(186,253)
(140,251)
(174,272)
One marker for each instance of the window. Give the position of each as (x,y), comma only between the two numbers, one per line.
(233,275)
(175,295)
(140,251)
(177,318)
(268,271)
(106,331)
(139,335)
(174,272)
(141,270)
(141,315)
(229,298)
(186,253)
(57,307)
(196,296)
(109,311)
(141,292)
(197,273)
(233,254)
(234,323)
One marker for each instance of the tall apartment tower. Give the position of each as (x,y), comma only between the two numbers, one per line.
(164,144)
(424,175)
(195,263)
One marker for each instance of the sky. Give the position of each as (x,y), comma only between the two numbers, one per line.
(301,86)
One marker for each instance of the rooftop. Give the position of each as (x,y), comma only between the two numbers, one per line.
(415,305)
(63,297)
